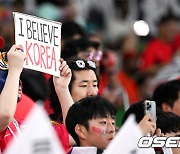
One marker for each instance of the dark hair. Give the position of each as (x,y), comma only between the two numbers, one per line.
(137,109)
(86,109)
(166,18)
(54,101)
(167,92)
(71,28)
(168,122)
(74,67)
(74,46)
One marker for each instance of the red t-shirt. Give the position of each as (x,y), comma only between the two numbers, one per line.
(9,133)
(156,51)
(23,108)
(62,134)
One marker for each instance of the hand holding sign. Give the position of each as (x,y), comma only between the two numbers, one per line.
(40,39)
(65,77)
(15,58)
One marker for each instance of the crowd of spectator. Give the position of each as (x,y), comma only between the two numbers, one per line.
(106,72)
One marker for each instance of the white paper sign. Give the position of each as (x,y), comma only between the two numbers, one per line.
(41,40)
(84,150)
(37,137)
(126,140)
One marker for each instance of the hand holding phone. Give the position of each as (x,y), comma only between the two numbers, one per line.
(150,108)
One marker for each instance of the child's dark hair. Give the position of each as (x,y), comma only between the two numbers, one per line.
(168,122)
(86,109)
(137,109)
(167,92)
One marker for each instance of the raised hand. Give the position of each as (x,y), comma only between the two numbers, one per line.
(16,58)
(65,76)
(147,125)
(61,86)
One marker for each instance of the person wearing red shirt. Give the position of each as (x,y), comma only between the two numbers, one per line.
(158,51)
(9,126)
(57,122)
(83,83)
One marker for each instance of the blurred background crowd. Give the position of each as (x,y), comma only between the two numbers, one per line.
(135,43)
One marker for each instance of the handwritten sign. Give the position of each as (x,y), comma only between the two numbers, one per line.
(41,40)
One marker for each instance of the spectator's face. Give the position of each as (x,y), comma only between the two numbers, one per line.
(85,84)
(101,131)
(176,107)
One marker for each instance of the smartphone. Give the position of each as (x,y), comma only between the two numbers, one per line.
(150,108)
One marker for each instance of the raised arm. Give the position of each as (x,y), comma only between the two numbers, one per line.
(9,94)
(61,86)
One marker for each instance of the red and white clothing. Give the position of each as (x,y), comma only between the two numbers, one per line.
(10,132)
